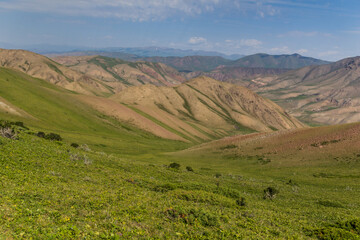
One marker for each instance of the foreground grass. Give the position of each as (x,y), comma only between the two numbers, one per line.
(50,190)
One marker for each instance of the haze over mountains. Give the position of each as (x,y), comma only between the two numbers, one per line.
(206,62)
(119,52)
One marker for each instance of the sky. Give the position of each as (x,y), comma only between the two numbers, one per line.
(328,30)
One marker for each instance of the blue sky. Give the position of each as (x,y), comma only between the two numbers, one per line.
(323,29)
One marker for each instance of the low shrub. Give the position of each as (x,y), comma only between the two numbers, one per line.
(193,216)
(8,132)
(74,145)
(41,134)
(270,193)
(241,202)
(218,175)
(340,230)
(327,203)
(164,187)
(84,147)
(81,157)
(231,146)
(190,169)
(53,137)
(174,166)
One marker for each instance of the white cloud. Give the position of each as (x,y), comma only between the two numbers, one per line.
(135,10)
(197,40)
(252,43)
(140,10)
(302,51)
(328,53)
(287,50)
(352,31)
(280,50)
(299,34)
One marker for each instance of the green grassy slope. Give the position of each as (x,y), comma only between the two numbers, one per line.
(53,191)
(56,109)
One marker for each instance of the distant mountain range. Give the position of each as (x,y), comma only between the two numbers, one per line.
(118,52)
(262,60)
(204,63)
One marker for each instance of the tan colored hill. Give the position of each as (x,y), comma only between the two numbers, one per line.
(296,147)
(42,67)
(327,94)
(200,110)
(119,74)
(204,108)
(242,76)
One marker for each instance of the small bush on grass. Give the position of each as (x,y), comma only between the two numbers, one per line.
(270,193)
(85,148)
(327,203)
(74,145)
(189,169)
(53,137)
(8,132)
(340,230)
(164,187)
(241,202)
(193,216)
(81,157)
(41,134)
(218,175)
(174,166)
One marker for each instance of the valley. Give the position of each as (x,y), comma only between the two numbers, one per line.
(149,152)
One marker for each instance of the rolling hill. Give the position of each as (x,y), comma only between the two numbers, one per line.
(242,76)
(327,94)
(42,67)
(51,108)
(191,63)
(119,74)
(91,75)
(209,107)
(199,110)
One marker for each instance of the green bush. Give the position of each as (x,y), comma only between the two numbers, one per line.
(190,169)
(241,202)
(53,137)
(174,166)
(270,193)
(74,145)
(164,187)
(330,233)
(41,134)
(218,175)
(327,203)
(192,216)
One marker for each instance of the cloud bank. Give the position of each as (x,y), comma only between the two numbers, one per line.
(138,10)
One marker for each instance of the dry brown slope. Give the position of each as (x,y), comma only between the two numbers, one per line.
(295,147)
(220,108)
(327,94)
(41,67)
(120,74)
